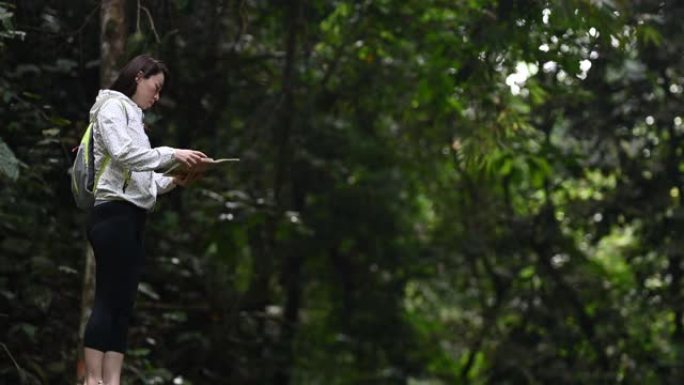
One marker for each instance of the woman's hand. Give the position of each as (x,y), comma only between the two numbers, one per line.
(186,179)
(189,158)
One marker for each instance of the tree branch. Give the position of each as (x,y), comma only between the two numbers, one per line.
(154,30)
(16,365)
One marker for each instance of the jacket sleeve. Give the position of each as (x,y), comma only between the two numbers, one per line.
(164,183)
(112,125)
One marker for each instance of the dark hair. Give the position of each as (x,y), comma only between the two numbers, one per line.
(149,66)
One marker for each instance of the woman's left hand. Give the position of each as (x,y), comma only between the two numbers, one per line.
(186,179)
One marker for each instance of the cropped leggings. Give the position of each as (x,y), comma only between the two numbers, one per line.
(115,231)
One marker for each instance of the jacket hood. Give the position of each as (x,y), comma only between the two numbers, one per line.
(105,95)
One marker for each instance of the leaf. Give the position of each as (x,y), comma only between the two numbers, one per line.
(537,94)
(51,131)
(31,95)
(60,122)
(183,5)
(506,166)
(146,288)
(527,273)
(28,329)
(649,35)
(9,165)
(56,367)
(140,352)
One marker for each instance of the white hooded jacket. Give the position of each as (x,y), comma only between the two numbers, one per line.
(119,135)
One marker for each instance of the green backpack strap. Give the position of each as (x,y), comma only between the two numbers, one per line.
(105,163)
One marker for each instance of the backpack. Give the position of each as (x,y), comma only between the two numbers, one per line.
(84,178)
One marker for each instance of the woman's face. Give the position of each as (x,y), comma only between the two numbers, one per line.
(148,89)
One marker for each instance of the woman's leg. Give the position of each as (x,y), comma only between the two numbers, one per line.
(116,237)
(113,362)
(100,323)
(123,306)
(93,361)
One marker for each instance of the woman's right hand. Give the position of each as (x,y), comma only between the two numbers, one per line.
(190,158)
(185,180)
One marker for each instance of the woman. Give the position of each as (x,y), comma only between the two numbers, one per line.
(126,188)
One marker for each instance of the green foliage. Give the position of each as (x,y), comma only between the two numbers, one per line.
(7,29)
(480,192)
(9,165)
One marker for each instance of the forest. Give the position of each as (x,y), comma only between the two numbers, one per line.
(429,192)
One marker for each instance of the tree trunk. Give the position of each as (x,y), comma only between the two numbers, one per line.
(672,228)
(291,271)
(113,41)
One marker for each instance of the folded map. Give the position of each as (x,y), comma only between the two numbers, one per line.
(178,169)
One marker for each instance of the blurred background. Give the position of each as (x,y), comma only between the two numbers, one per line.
(430,191)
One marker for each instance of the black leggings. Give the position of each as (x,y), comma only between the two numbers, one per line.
(115,231)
